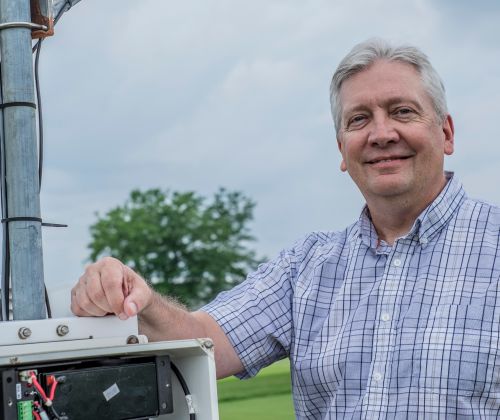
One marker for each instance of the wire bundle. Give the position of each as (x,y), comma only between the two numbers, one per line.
(39,412)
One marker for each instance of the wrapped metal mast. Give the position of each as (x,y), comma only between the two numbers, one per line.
(20,156)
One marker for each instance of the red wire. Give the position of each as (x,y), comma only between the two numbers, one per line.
(37,416)
(38,387)
(53,388)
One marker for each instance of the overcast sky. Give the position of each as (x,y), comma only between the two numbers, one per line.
(195,95)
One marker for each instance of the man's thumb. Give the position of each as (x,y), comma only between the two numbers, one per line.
(137,300)
(130,307)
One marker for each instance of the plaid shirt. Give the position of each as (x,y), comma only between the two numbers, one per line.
(377,331)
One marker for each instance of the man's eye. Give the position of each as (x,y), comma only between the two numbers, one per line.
(404,111)
(356,120)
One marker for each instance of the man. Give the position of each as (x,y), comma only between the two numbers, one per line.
(398,315)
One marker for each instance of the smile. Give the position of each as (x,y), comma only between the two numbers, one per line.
(389,159)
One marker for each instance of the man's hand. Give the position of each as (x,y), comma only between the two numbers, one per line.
(108,286)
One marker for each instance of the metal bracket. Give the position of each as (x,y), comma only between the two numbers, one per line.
(28,25)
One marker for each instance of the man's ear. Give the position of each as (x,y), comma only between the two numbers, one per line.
(343,166)
(449,135)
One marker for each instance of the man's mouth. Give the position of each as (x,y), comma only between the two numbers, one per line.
(387,159)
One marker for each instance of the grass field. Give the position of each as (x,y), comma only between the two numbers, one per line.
(265,397)
(275,407)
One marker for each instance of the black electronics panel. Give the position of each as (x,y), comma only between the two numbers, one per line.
(106,389)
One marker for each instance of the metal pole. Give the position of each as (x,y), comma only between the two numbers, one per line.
(23,200)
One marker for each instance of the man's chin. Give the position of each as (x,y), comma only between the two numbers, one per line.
(390,189)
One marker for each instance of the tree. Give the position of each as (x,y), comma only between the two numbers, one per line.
(185,246)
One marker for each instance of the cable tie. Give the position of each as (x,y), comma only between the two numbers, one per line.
(17,103)
(29,25)
(22,219)
(31,219)
(54,224)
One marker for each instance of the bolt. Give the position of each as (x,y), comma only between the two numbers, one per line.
(208,344)
(13,360)
(24,333)
(62,330)
(132,339)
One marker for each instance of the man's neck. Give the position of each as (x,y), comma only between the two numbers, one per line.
(394,221)
(393,217)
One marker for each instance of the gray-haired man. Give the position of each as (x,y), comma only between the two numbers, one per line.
(398,315)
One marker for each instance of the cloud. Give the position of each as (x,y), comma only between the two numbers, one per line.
(197,95)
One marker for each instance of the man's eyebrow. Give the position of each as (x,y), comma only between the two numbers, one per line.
(402,100)
(355,108)
(388,102)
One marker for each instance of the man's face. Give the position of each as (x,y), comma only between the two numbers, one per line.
(391,141)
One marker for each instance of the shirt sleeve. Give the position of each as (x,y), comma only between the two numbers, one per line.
(256,315)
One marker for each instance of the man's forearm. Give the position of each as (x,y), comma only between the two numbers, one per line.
(165,319)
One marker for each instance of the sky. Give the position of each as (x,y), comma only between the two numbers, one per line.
(196,95)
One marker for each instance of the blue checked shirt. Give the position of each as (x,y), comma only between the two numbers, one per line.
(377,331)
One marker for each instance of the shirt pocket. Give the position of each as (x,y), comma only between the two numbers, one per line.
(449,349)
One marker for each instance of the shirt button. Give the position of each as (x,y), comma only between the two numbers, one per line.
(385,317)
(423,240)
(377,376)
(396,262)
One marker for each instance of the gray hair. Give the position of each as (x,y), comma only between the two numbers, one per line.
(363,55)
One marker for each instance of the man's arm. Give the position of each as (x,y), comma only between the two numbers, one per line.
(108,286)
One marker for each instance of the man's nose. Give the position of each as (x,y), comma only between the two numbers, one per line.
(382,132)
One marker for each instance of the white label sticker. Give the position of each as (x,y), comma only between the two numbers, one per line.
(111,392)
(19,393)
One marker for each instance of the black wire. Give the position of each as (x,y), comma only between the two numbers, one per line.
(40,149)
(37,48)
(47,301)
(5,280)
(40,119)
(185,389)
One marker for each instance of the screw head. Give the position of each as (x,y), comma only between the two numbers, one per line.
(132,339)
(62,330)
(208,344)
(24,333)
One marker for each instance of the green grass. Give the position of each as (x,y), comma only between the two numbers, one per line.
(267,396)
(275,407)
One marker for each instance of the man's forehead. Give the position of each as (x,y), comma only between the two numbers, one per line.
(385,81)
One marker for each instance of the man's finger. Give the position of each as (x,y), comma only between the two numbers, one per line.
(77,310)
(95,291)
(85,303)
(112,281)
(139,296)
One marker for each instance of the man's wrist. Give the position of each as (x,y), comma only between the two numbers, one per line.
(151,301)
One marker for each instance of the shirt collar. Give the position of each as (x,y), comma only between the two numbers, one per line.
(428,223)
(441,210)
